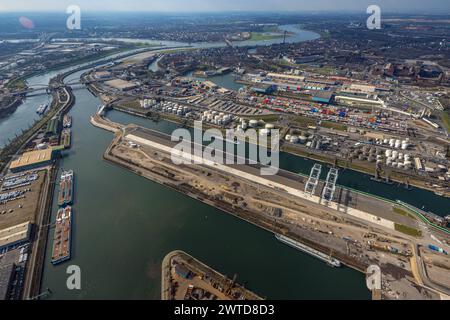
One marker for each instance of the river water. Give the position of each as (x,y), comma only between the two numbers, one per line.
(125,224)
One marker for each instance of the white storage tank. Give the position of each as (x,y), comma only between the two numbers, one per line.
(405,145)
(302,139)
(392,142)
(288,137)
(253,123)
(294,139)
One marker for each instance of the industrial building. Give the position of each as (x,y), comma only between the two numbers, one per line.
(33,159)
(323,97)
(6,278)
(263,88)
(14,236)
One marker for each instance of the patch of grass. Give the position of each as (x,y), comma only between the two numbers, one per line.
(334,125)
(261,36)
(408,230)
(18,84)
(445,117)
(403,212)
(265,117)
(131,105)
(304,121)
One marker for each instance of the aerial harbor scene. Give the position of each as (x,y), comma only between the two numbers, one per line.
(224,151)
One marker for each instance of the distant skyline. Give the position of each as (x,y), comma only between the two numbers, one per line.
(407,6)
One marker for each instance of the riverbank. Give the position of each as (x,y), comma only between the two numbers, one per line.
(6,110)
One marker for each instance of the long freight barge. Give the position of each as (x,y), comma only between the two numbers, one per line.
(63,236)
(66,137)
(313,252)
(65,196)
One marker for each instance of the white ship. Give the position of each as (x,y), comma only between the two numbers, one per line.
(41,109)
(313,252)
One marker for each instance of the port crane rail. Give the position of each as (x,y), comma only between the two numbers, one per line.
(313,180)
(330,185)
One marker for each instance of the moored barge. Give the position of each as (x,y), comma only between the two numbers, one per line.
(63,236)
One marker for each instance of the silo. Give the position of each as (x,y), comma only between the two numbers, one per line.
(302,139)
(253,123)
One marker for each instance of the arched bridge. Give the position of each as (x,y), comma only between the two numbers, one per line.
(41,89)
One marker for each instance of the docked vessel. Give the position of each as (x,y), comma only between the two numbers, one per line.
(67,121)
(65,196)
(62,236)
(313,252)
(66,138)
(41,109)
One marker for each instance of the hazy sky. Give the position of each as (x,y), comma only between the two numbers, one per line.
(435,6)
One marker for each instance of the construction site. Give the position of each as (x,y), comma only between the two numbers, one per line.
(185,278)
(357,229)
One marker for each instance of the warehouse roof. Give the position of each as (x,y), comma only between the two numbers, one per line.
(32,157)
(14,234)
